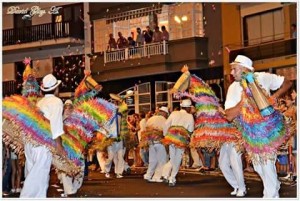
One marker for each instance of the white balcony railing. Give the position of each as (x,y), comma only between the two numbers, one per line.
(145,50)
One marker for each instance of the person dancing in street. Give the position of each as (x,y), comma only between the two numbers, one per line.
(177,130)
(248,104)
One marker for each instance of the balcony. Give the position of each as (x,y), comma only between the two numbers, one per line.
(267,50)
(152,59)
(43,32)
(146,50)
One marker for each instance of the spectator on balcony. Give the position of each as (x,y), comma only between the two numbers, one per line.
(148,34)
(165,33)
(294,30)
(131,42)
(294,35)
(157,35)
(139,37)
(112,44)
(122,41)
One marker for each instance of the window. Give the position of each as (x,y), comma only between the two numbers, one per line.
(263,27)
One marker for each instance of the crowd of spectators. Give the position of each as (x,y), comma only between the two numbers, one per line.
(142,37)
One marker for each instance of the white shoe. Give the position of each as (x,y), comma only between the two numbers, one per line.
(146,178)
(155,180)
(234,192)
(119,176)
(241,193)
(18,190)
(13,190)
(107,175)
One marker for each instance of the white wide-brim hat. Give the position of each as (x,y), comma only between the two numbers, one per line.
(243,61)
(186,103)
(68,102)
(164,109)
(50,83)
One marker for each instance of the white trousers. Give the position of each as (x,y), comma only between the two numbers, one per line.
(37,166)
(231,165)
(196,158)
(101,159)
(268,175)
(115,153)
(157,159)
(72,184)
(171,168)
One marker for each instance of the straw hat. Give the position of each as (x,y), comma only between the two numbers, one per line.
(243,61)
(50,83)
(164,109)
(186,103)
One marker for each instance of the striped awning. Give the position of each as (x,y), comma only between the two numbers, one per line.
(134,13)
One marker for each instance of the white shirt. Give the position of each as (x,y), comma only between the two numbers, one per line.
(267,81)
(142,128)
(157,122)
(180,118)
(52,108)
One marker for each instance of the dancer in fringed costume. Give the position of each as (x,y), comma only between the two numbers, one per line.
(70,183)
(23,120)
(212,130)
(39,158)
(87,89)
(177,130)
(119,135)
(151,139)
(263,128)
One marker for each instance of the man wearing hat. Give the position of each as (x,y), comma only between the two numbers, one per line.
(179,123)
(39,158)
(233,108)
(157,151)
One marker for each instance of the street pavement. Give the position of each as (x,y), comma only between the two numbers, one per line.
(190,184)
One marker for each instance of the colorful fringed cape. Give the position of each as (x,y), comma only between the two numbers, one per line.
(87,117)
(149,136)
(262,134)
(177,135)
(211,127)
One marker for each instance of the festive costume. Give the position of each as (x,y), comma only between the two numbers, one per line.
(212,130)
(176,130)
(157,151)
(263,130)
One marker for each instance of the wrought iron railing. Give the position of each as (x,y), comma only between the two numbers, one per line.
(42,32)
(145,50)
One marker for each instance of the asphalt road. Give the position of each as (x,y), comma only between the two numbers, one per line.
(190,184)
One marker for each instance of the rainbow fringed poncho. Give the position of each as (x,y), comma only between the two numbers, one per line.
(86,118)
(177,135)
(149,136)
(262,135)
(211,127)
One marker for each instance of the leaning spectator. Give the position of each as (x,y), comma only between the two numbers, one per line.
(157,35)
(112,44)
(148,34)
(139,37)
(131,42)
(165,33)
(122,41)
